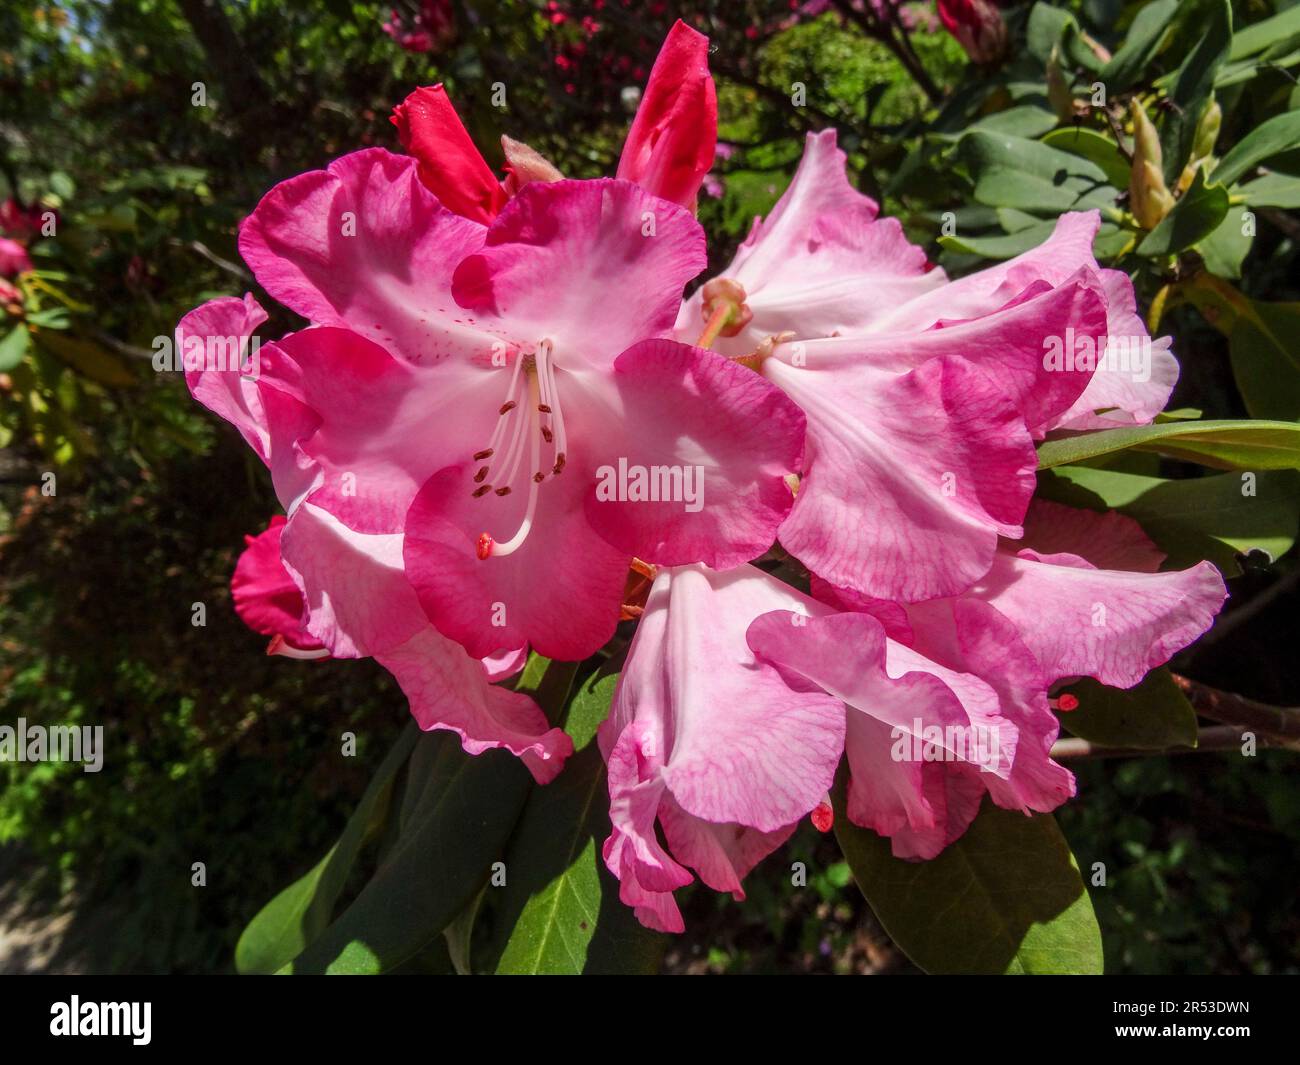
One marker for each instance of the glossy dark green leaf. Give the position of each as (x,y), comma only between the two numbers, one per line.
(295,917)
(1193,85)
(1272,137)
(560,911)
(1143,41)
(1153,715)
(1050,27)
(1227,246)
(1096,148)
(1004,898)
(1247,445)
(1197,518)
(1264,345)
(1266,33)
(463,811)
(1028,121)
(1014,172)
(1272,190)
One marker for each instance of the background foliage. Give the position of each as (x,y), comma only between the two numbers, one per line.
(222,755)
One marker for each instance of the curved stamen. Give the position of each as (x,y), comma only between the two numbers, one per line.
(538,404)
(546,369)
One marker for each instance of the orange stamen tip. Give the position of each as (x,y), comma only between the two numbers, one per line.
(823,817)
(1067,702)
(484,548)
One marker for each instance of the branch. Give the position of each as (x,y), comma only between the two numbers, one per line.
(1277,722)
(903,52)
(1216,738)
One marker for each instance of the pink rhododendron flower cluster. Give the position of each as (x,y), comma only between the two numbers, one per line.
(481,354)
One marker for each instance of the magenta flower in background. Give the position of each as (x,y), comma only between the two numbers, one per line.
(978,27)
(14,259)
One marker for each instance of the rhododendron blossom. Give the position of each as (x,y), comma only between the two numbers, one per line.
(1044,614)
(503,430)
(923,395)
(438,433)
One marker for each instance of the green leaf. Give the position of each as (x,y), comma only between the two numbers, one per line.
(560,912)
(1272,137)
(1001,245)
(1252,445)
(1049,26)
(1193,84)
(1095,147)
(1272,190)
(547,682)
(1152,715)
(87,358)
(1026,120)
(1260,35)
(1144,40)
(1226,248)
(14,346)
(285,925)
(1031,176)
(1199,212)
(589,707)
(1004,898)
(460,813)
(1264,345)
(1212,517)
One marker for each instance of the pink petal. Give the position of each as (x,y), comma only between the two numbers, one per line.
(214,368)
(900,705)
(871,513)
(722,855)
(450,166)
(1108,540)
(375,454)
(820,264)
(970,636)
(729,437)
(366,245)
(560,592)
(1054,261)
(1108,624)
(265,596)
(224,363)
(593,266)
(744,747)
(358,598)
(670,146)
(1126,396)
(449,690)
(720,748)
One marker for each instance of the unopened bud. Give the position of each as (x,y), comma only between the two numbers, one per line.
(978,27)
(525,164)
(1058,87)
(1149,198)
